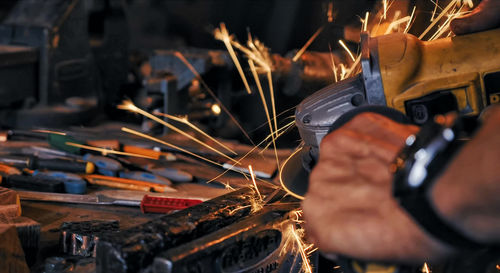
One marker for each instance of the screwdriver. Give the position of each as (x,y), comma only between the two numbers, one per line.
(72,183)
(33,163)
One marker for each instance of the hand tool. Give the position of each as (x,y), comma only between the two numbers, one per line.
(105,165)
(125,182)
(72,183)
(21,134)
(173,174)
(33,162)
(418,79)
(152,204)
(145,176)
(98,199)
(6,169)
(32,183)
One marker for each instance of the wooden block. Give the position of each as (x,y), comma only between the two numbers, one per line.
(10,206)
(11,253)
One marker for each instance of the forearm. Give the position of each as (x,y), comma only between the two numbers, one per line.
(467,194)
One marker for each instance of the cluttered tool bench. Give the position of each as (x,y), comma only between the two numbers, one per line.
(143,136)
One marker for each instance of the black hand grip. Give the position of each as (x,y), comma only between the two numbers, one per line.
(61,165)
(34,183)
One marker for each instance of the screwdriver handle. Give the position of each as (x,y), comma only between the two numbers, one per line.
(63,165)
(34,183)
(165,204)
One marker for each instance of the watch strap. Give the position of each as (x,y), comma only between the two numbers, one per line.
(424,213)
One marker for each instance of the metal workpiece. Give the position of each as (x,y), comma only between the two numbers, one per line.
(315,115)
(80,238)
(263,242)
(134,249)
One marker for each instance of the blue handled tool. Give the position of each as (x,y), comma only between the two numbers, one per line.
(72,183)
(172,174)
(144,176)
(103,162)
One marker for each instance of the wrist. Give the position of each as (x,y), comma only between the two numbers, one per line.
(466,194)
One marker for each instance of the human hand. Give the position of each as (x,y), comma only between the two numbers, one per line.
(349,208)
(485,16)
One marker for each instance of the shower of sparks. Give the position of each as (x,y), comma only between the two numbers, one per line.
(106,151)
(223,35)
(354,67)
(173,146)
(395,24)
(294,238)
(411,19)
(365,21)
(264,103)
(184,120)
(307,44)
(243,157)
(347,49)
(49,132)
(446,25)
(436,20)
(425,268)
(128,105)
(343,71)
(281,131)
(252,175)
(211,93)
(259,60)
(306,266)
(329,13)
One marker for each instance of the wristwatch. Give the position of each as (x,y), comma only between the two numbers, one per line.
(419,164)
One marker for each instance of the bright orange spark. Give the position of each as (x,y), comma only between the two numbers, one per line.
(307,44)
(411,19)
(384,3)
(106,151)
(425,269)
(253,180)
(50,132)
(365,22)
(329,13)
(347,49)
(223,35)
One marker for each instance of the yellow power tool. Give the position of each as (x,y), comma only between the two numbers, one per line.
(418,79)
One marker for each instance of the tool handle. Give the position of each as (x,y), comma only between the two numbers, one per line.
(64,165)
(34,183)
(118,185)
(164,205)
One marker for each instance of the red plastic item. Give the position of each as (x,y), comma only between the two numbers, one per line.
(165,204)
